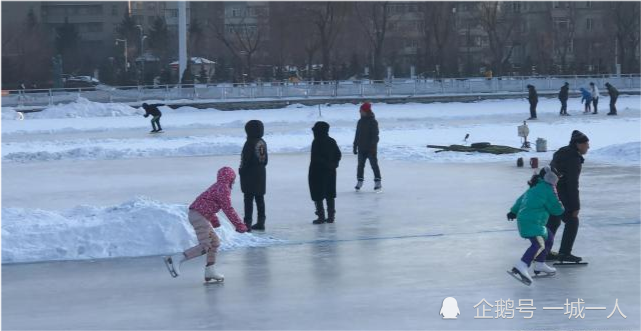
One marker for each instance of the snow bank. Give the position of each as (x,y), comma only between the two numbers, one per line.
(140,227)
(625,154)
(85,108)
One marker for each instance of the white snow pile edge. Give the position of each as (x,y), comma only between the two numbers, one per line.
(85,108)
(139,227)
(628,153)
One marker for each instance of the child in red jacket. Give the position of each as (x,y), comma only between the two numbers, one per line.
(202,216)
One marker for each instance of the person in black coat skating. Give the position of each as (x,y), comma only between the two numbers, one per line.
(322,172)
(533,98)
(614,95)
(563,97)
(366,146)
(253,175)
(155,115)
(568,161)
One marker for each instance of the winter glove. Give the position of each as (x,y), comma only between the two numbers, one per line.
(511,216)
(146,115)
(355,150)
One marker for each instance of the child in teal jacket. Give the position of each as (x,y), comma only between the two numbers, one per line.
(532,210)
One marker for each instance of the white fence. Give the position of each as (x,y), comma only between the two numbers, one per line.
(318,90)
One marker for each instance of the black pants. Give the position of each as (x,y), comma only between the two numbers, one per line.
(564,107)
(569,233)
(156,121)
(331,208)
(249,208)
(613,107)
(595,102)
(373,161)
(533,110)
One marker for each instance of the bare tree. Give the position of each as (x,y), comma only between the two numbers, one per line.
(242,39)
(327,18)
(375,18)
(626,20)
(499,26)
(437,28)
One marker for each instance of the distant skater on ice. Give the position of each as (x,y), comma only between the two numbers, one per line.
(366,145)
(155,116)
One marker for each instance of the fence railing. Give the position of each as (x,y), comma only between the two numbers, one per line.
(177,94)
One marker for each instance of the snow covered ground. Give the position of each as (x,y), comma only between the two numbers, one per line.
(94,132)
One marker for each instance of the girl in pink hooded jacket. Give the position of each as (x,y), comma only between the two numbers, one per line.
(202,216)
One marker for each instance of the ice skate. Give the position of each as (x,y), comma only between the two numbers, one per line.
(569,259)
(358,186)
(378,187)
(520,273)
(173,263)
(544,269)
(211,274)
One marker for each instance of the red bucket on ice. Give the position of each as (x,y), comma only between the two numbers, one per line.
(534,162)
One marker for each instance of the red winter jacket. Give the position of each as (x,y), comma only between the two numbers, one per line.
(217,197)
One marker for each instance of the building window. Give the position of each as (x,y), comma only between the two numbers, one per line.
(235,12)
(589,24)
(516,7)
(114,10)
(172,12)
(588,4)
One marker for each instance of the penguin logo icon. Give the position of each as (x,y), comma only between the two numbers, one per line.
(449,310)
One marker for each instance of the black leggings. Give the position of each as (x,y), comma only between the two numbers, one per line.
(156,121)
(570,232)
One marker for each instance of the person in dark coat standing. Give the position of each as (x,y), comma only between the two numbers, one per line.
(563,97)
(155,116)
(568,161)
(533,98)
(322,172)
(253,174)
(614,94)
(366,145)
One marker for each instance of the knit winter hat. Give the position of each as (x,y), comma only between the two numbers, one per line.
(366,107)
(549,175)
(578,137)
(566,84)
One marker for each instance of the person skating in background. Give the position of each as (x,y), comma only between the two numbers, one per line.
(563,97)
(568,161)
(586,99)
(322,172)
(595,97)
(366,146)
(253,174)
(531,211)
(533,99)
(614,95)
(202,216)
(155,116)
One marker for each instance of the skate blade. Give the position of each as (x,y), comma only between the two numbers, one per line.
(170,267)
(566,263)
(213,281)
(517,276)
(541,274)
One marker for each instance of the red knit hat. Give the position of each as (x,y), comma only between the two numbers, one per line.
(366,107)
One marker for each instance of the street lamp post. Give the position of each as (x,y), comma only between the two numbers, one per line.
(142,54)
(125,42)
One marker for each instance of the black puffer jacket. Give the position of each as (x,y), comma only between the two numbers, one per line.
(325,159)
(612,91)
(253,160)
(152,109)
(563,95)
(568,161)
(366,137)
(533,97)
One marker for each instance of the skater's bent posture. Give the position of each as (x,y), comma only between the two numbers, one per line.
(155,115)
(202,216)
(532,210)
(586,97)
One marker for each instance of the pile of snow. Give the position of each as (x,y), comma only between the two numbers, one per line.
(9,113)
(85,108)
(140,227)
(625,154)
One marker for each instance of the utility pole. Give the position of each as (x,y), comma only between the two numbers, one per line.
(142,54)
(125,42)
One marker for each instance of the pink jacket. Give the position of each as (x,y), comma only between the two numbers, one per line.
(217,197)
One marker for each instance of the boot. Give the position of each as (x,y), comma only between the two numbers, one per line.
(377,185)
(320,212)
(569,258)
(331,211)
(211,274)
(523,269)
(542,267)
(359,184)
(260,225)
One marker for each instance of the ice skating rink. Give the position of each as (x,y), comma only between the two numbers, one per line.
(438,230)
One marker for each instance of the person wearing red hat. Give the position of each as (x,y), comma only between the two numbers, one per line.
(366,145)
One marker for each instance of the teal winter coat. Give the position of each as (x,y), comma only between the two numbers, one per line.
(533,209)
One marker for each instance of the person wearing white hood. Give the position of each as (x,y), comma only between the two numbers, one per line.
(595,96)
